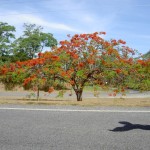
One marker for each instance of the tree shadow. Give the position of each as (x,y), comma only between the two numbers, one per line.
(129,126)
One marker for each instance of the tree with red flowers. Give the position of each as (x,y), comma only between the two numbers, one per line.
(139,76)
(33,73)
(88,58)
(83,59)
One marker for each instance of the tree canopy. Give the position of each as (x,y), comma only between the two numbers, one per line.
(6,36)
(88,58)
(32,42)
(82,59)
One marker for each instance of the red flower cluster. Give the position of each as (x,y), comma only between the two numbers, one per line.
(118,71)
(50,90)
(28,80)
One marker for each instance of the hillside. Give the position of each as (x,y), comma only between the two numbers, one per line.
(147,55)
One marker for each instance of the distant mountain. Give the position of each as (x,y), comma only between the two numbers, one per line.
(144,56)
(147,55)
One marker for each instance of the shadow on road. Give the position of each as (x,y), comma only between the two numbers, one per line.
(129,126)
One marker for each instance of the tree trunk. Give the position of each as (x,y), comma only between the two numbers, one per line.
(79,94)
(38,93)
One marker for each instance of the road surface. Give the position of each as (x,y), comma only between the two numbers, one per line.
(74,128)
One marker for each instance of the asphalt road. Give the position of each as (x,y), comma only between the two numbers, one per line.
(74,128)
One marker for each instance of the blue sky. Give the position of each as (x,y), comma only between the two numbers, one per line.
(120,19)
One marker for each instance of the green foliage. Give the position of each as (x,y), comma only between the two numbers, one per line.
(61,93)
(32,42)
(80,73)
(12,79)
(6,35)
(140,78)
(143,85)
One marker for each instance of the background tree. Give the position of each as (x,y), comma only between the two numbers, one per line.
(6,36)
(35,74)
(139,78)
(32,42)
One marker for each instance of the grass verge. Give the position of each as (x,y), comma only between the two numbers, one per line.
(127,102)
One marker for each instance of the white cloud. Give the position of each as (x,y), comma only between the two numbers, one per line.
(81,14)
(42,22)
(70,16)
(30,18)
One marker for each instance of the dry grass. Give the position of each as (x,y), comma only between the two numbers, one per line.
(125,102)
(128,102)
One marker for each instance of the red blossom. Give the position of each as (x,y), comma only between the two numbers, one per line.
(56,58)
(118,70)
(121,41)
(39,54)
(90,61)
(81,64)
(4,70)
(103,33)
(75,56)
(50,90)
(72,82)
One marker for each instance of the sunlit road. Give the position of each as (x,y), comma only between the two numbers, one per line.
(74,128)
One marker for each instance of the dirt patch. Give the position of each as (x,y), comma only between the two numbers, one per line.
(2,88)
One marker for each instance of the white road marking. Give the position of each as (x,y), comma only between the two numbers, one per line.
(75,110)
